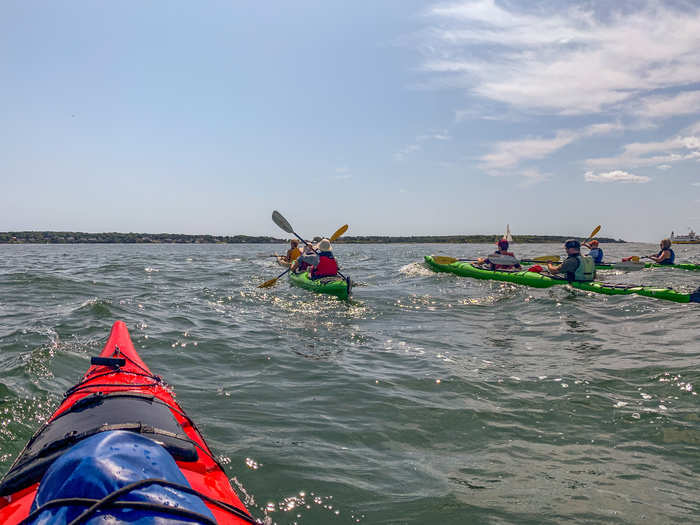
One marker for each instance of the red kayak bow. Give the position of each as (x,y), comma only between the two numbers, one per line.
(120,393)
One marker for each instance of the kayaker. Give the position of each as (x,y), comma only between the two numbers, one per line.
(326,265)
(293,253)
(596,253)
(576,267)
(501,253)
(306,260)
(665,255)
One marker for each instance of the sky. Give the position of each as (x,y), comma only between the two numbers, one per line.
(397,117)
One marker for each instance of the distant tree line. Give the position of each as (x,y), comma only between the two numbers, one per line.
(475,239)
(128,238)
(46,237)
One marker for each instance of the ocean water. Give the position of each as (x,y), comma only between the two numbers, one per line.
(428,398)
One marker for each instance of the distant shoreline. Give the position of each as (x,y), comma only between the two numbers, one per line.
(48,237)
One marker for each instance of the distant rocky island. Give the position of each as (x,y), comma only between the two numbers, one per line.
(48,237)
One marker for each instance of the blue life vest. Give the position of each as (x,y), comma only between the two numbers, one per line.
(596,254)
(106,462)
(670,260)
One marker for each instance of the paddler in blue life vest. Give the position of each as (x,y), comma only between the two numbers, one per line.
(306,260)
(665,255)
(501,254)
(576,267)
(326,265)
(596,253)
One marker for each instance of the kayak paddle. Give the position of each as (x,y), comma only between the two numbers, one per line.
(338,233)
(280,221)
(272,282)
(593,234)
(443,259)
(283,223)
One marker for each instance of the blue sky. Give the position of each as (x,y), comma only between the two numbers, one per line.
(397,117)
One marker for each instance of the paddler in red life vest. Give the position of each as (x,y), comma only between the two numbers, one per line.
(500,255)
(326,266)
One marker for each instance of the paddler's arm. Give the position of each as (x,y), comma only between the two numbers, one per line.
(554,268)
(664,255)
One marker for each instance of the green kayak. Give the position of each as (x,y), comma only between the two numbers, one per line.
(335,285)
(537,280)
(639,266)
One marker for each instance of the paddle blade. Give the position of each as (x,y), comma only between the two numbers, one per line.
(634,258)
(281,222)
(443,259)
(268,284)
(507,235)
(593,233)
(548,258)
(340,231)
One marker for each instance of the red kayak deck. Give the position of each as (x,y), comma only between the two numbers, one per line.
(205,475)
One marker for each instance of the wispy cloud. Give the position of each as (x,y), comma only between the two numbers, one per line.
(685,146)
(664,167)
(342,173)
(568,60)
(616,176)
(508,154)
(417,145)
(684,103)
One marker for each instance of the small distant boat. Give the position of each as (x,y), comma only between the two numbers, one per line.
(691,238)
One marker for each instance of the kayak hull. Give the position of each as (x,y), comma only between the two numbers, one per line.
(336,286)
(537,280)
(622,266)
(133,379)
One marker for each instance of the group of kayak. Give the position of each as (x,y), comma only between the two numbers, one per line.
(316,269)
(577,270)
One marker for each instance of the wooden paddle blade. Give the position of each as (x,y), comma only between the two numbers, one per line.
(270,283)
(634,258)
(547,258)
(443,259)
(593,233)
(280,221)
(340,231)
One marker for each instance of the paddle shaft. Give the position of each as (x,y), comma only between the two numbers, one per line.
(526,261)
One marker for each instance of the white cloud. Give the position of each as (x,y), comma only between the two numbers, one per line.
(508,154)
(615,176)
(695,184)
(684,103)
(685,146)
(567,60)
(664,167)
(342,169)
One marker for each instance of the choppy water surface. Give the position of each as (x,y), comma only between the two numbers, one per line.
(427,399)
